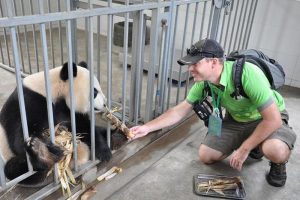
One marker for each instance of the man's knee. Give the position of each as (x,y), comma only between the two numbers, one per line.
(208,155)
(276,150)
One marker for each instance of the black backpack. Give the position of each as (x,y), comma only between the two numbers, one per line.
(271,68)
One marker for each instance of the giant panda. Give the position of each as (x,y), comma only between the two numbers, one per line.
(42,153)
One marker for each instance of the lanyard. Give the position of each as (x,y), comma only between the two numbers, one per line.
(215,101)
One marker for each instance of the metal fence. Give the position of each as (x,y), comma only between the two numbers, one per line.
(139,75)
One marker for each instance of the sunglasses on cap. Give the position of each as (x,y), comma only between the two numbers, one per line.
(194,51)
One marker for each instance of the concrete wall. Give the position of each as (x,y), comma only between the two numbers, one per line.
(276,31)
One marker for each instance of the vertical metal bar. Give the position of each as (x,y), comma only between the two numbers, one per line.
(125,49)
(250,28)
(98,48)
(222,27)
(164,68)
(86,38)
(51,37)
(5,37)
(159,90)
(6,44)
(109,68)
(152,64)
(34,41)
(2,57)
(233,25)
(210,18)
(20,89)
(202,21)
(26,39)
(133,66)
(2,175)
(138,66)
(215,23)
(182,50)
(19,39)
(91,69)
(194,22)
(187,81)
(248,25)
(238,27)
(7,48)
(71,84)
(48,90)
(16,56)
(173,9)
(74,34)
(243,24)
(60,35)
(228,24)
(47,83)
(142,54)
(168,54)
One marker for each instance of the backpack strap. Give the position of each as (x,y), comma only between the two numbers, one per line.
(206,90)
(206,93)
(237,70)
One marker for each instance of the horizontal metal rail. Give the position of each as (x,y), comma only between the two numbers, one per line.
(50,17)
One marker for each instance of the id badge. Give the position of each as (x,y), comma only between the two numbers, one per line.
(214,125)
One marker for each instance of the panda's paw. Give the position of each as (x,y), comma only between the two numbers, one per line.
(34,145)
(41,154)
(57,152)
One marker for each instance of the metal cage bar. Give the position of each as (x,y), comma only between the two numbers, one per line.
(162,55)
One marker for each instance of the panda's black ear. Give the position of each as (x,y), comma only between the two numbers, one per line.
(64,75)
(83,64)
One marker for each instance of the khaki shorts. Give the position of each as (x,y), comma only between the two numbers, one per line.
(235,133)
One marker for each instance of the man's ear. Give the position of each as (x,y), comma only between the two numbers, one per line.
(214,62)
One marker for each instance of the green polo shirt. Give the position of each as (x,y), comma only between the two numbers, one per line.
(255,85)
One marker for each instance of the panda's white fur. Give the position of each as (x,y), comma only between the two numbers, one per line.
(5,150)
(83,154)
(60,88)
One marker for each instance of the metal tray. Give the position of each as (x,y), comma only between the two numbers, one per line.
(235,193)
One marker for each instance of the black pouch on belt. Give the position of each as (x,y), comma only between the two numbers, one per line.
(203,109)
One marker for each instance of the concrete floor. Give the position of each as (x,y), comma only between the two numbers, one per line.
(165,169)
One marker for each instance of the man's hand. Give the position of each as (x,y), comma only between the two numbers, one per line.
(238,157)
(139,131)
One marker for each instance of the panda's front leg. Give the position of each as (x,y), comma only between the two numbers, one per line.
(103,152)
(43,154)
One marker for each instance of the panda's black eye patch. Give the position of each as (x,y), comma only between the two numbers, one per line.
(95,93)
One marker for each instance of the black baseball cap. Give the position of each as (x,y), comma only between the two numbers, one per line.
(206,48)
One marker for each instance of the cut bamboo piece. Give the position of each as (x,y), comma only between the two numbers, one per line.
(110,173)
(63,138)
(117,123)
(219,185)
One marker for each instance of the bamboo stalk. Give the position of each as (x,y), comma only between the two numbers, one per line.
(63,138)
(219,184)
(110,173)
(117,123)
